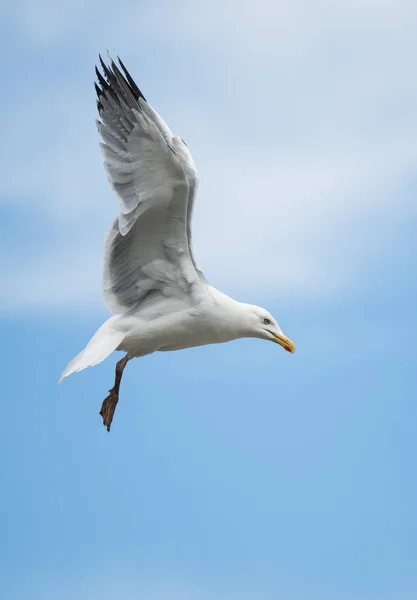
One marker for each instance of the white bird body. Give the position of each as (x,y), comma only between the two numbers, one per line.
(159,297)
(217,318)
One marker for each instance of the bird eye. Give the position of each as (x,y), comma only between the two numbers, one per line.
(267,321)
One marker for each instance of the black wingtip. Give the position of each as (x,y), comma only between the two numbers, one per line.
(114,83)
(102,81)
(101,62)
(130,79)
(106,69)
(99,93)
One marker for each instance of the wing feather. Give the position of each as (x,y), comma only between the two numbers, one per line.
(148,256)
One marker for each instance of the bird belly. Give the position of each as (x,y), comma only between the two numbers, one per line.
(194,335)
(183,331)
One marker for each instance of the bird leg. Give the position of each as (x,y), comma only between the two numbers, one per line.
(109,404)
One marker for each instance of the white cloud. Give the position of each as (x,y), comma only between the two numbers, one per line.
(301,118)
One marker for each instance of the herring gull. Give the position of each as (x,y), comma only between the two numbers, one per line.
(152,285)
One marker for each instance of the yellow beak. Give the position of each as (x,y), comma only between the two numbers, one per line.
(285,342)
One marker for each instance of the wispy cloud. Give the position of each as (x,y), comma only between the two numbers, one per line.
(300,116)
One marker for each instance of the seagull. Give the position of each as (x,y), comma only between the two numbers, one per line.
(156,292)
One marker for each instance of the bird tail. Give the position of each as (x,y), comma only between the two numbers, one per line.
(106,339)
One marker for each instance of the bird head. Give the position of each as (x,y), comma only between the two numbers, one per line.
(261,324)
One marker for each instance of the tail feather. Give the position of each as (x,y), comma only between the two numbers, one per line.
(102,344)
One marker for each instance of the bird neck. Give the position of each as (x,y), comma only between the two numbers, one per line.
(231,316)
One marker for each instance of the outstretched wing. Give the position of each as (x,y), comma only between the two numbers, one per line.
(147,251)
(183,153)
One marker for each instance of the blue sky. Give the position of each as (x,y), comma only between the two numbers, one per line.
(235,472)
